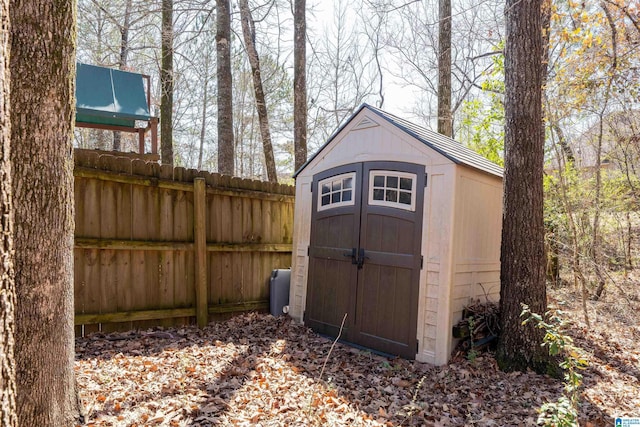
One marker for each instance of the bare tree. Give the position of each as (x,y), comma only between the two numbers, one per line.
(445,121)
(226,152)
(205,104)
(249,33)
(43,61)
(166,83)
(7,286)
(522,274)
(122,64)
(299,83)
(596,244)
(342,74)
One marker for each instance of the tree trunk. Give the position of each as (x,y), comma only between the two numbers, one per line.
(578,276)
(567,151)
(226,150)
(551,246)
(7,286)
(445,121)
(203,124)
(42,99)
(124,52)
(628,263)
(166,83)
(596,239)
(523,258)
(299,83)
(249,34)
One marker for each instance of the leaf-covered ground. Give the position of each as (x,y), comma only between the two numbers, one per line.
(256,370)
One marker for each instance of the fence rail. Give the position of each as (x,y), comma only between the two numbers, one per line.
(157,245)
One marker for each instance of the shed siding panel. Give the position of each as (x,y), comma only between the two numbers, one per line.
(437,229)
(300,260)
(477,241)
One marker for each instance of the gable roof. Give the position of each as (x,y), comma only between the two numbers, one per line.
(448,147)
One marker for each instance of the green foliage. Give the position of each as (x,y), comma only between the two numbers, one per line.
(482,124)
(569,212)
(558,414)
(472,354)
(563,412)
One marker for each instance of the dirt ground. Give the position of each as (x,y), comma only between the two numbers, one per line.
(256,370)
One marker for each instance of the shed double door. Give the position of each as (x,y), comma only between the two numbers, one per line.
(364,254)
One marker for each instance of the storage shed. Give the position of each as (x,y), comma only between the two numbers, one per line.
(398,227)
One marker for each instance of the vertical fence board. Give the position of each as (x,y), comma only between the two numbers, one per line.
(91,275)
(286,222)
(108,284)
(214,216)
(228,289)
(91,209)
(90,265)
(79,190)
(108,268)
(215,278)
(236,220)
(266,221)
(226,219)
(190,278)
(200,243)
(180,291)
(152,258)
(123,264)
(139,222)
(276,222)
(79,285)
(236,274)
(166,280)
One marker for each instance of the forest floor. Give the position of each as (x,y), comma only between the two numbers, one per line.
(256,370)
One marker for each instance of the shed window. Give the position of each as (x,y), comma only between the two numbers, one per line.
(336,191)
(393,189)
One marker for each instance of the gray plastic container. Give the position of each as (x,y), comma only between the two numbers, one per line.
(279,291)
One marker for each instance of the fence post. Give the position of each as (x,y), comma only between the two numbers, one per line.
(200,236)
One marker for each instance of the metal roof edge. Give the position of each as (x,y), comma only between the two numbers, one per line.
(413,134)
(389,118)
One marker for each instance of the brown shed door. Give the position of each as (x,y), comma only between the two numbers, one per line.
(364,256)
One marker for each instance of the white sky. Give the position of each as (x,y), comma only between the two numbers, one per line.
(399,99)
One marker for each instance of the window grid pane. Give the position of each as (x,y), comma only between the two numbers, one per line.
(406,183)
(405,198)
(336,191)
(393,189)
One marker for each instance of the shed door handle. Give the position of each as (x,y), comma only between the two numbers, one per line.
(352,254)
(361,258)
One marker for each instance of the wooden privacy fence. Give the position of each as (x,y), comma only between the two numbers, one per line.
(157,245)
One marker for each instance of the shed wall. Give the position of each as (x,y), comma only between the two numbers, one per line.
(433,306)
(476,251)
